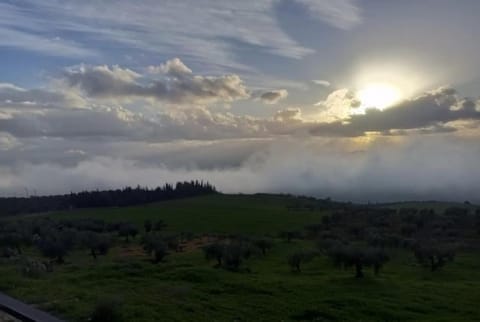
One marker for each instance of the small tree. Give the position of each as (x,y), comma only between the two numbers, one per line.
(263,244)
(433,255)
(296,259)
(233,254)
(98,244)
(229,254)
(214,251)
(159,225)
(154,244)
(57,245)
(173,243)
(290,234)
(376,258)
(351,256)
(126,230)
(148,225)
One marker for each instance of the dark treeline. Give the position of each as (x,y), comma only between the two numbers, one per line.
(108,198)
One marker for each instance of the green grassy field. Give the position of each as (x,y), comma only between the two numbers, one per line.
(188,288)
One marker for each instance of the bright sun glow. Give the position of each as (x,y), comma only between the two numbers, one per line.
(378,95)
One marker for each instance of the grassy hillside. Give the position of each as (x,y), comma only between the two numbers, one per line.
(188,288)
(256,214)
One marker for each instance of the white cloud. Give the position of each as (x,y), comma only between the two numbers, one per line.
(321,82)
(174,67)
(338,105)
(17,99)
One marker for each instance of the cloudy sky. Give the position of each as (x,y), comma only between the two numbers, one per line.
(364,100)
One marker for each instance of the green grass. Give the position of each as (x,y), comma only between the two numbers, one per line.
(250,214)
(187,288)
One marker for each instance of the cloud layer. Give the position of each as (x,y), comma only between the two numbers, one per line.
(426,168)
(109,126)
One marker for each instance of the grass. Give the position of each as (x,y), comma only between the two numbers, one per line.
(249,214)
(187,288)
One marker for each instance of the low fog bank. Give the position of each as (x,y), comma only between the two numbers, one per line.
(389,169)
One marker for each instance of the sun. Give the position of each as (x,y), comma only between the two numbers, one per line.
(378,95)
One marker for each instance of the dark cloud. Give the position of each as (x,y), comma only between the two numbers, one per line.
(430,111)
(177,124)
(68,123)
(273,97)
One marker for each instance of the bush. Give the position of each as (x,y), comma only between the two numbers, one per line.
(33,268)
(107,310)
(8,252)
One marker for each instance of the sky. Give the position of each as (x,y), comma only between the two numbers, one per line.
(362,100)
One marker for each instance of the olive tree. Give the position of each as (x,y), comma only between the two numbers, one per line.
(298,258)
(434,255)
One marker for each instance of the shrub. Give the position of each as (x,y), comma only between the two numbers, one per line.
(173,243)
(107,310)
(33,268)
(8,252)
